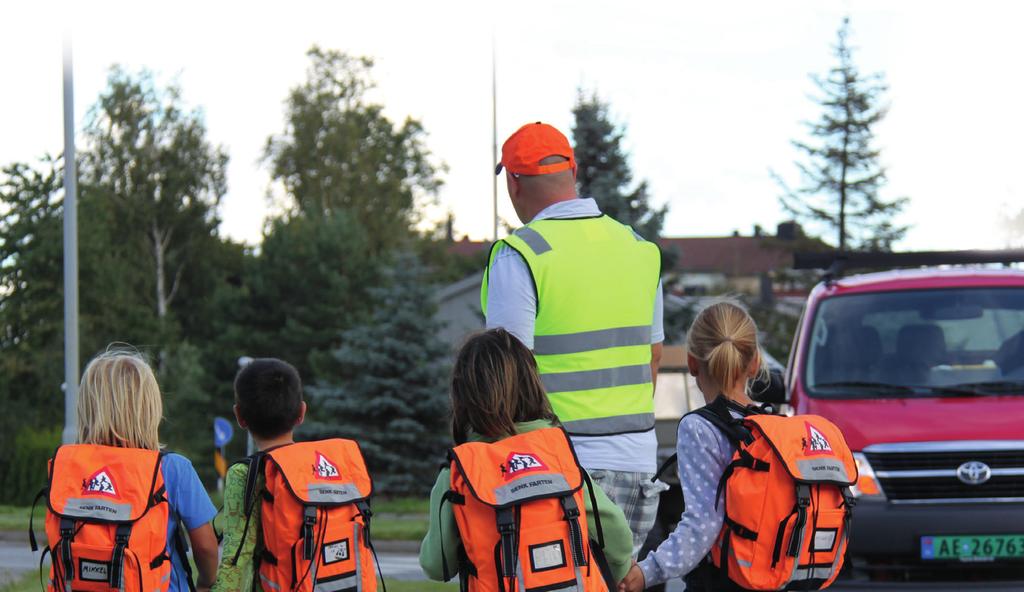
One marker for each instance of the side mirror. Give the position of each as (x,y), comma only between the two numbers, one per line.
(771,389)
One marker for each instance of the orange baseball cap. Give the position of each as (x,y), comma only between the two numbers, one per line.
(522,151)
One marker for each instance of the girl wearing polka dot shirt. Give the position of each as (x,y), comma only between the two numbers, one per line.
(724,357)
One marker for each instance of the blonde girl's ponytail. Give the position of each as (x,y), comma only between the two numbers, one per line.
(724,338)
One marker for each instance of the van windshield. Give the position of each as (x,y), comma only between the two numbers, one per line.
(947,342)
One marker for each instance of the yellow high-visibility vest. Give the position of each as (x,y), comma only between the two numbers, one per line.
(596,282)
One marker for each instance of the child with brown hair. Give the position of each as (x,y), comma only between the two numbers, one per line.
(497,396)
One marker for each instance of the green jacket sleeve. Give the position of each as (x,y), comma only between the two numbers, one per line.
(442,529)
(232,577)
(618,539)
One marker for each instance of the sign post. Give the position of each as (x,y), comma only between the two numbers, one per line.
(222,433)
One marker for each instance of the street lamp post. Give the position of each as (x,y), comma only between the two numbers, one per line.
(70,255)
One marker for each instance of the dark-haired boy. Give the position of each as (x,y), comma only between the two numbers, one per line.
(268,403)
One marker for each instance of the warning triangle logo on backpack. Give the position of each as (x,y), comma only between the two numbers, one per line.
(521,462)
(323,468)
(101,482)
(817,443)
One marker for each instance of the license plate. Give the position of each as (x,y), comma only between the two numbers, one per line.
(973,547)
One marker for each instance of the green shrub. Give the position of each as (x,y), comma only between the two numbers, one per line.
(26,472)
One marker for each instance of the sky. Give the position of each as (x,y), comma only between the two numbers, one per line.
(710,94)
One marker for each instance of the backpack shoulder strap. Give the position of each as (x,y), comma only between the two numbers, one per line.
(717,413)
(255,464)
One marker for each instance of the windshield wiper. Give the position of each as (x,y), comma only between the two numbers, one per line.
(994,387)
(867,385)
(907,389)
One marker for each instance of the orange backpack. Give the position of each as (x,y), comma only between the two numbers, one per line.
(315,517)
(519,507)
(787,501)
(107,520)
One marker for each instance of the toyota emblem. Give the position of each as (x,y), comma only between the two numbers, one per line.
(974,472)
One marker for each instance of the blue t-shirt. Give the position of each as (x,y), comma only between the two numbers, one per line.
(188,501)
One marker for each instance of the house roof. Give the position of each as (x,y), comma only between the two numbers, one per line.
(466,247)
(731,255)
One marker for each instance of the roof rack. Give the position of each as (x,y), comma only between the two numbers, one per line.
(836,262)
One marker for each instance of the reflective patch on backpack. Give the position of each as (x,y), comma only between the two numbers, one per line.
(97,508)
(93,571)
(530,487)
(332,493)
(822,469)
(825,540)
(336,551)
(545,556)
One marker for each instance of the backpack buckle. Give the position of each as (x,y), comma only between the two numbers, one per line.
(569,507)
(507,525)
(309,516)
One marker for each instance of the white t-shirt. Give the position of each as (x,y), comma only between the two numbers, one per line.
(512,305)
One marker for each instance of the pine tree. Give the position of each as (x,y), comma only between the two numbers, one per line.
(604,172)
(387,384)
(842,176)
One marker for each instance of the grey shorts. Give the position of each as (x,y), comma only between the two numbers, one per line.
(636,495)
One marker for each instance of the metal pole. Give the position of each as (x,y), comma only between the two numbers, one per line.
(494,129)
(70,254)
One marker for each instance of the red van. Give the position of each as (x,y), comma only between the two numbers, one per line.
(923,370)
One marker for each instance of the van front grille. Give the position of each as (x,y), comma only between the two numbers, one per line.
(928,472)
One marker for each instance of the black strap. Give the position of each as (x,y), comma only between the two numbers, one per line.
(121,537)
(255,462)
(571,513)
(745,461)
(159,560)
(364,508)
(255,466)
(67,534)
(181,548)
(732,428)
(308,540)
(669,463)
(452,497)
(42,560)
(740,530)
(31,517)
(506,520)
(603,567)
(803,500)
(594,508)
(777,551)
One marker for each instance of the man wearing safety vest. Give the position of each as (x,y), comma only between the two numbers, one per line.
(583,291)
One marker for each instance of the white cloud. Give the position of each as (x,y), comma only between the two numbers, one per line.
(711,93)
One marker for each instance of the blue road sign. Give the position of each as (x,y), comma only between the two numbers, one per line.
(222,431)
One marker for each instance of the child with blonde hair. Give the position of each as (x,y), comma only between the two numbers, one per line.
(724,357)
(119,414)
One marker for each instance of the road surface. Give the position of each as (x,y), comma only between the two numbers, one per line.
(16,559)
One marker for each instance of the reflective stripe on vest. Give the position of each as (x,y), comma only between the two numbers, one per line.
(596,283)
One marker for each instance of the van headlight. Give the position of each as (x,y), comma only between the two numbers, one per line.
(867,486)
